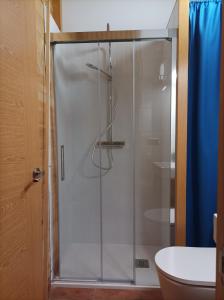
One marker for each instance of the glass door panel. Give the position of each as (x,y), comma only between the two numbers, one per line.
(78,126)
(113,110)
(117,182)
(152,153)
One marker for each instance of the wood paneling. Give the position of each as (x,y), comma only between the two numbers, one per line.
(56,12)
(220,228)
(181,127)
(46,218)
(105,294)
(22,68)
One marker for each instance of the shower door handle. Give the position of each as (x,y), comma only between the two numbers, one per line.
(62,163)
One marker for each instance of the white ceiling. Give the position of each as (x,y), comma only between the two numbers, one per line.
(93,15)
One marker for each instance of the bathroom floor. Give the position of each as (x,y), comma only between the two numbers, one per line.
(80,260)
(104,294)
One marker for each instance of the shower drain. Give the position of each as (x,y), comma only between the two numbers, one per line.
(141,263)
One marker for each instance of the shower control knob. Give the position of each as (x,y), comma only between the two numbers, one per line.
(37,174)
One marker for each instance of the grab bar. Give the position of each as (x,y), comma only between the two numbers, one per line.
(62,163)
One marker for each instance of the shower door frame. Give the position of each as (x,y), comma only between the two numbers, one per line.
(110,36)
(101,37)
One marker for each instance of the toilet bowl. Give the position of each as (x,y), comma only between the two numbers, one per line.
(187,273)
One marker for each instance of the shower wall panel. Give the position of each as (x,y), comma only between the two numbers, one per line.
(152,142)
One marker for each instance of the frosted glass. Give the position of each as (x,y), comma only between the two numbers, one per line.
(117,184)
(152,152)
(109,218)
(78,123)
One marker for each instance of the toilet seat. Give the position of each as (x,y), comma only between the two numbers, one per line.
(188,265)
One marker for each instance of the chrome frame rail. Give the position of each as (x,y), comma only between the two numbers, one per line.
(95,284)
(120,36)
(110,36)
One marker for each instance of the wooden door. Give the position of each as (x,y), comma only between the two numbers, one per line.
(220,225)
(22,247)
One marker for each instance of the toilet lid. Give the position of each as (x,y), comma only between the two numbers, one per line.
(195,266)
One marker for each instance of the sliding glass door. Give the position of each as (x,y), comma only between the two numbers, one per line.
(79,181)
(113,111)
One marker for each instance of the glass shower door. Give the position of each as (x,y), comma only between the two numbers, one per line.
(78,125)
(113,109)
(94,105)
(118,182)
(152,154)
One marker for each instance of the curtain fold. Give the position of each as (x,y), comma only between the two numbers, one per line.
(203,115)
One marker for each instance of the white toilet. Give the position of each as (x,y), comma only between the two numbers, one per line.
(187,273)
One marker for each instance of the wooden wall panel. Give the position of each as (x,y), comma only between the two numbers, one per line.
(56,12)
(58,293)
(46,223)
(181,135)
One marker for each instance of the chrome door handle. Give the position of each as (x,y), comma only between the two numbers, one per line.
(62,163)
(37,174)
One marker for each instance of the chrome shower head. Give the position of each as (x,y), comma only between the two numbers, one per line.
(93,67)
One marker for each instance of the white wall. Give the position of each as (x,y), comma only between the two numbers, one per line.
(93,15)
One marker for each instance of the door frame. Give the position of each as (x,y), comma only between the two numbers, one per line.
(181,123)
(220,200)
(181,130)
(181,147)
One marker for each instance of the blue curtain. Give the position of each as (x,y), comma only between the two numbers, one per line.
(203,115)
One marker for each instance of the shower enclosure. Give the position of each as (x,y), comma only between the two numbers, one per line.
(115,124)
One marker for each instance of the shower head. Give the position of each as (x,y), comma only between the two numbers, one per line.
(93,67)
